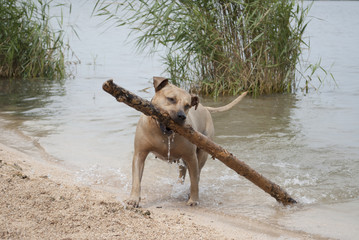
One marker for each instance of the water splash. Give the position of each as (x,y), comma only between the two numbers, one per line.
(170,139)
(99,175)
(168,147)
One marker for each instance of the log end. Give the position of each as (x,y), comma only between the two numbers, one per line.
(291,201)
(107,86)
(287,201)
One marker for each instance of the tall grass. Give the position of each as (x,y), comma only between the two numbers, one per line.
(29,46)
(219,46)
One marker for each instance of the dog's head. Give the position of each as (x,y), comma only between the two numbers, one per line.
(172,99)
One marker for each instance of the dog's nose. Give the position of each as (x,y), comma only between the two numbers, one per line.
(181,116)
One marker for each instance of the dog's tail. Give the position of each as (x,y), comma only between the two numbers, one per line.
(228,106)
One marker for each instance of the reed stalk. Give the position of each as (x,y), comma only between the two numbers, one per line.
(29,46)
(221,47)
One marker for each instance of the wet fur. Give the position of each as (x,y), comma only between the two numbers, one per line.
(151,136)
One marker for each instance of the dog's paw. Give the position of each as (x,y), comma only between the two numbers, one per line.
(132,202)
(192,203)
(180,181)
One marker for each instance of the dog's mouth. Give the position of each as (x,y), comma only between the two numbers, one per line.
(165,130)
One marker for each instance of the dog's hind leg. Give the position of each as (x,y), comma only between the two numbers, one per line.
(182,172)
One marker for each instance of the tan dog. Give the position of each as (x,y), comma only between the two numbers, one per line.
(152,136)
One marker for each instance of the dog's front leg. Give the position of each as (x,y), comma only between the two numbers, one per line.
(193,169)
(138,164)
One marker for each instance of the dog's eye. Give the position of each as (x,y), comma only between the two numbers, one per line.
(171,100)
(187,106)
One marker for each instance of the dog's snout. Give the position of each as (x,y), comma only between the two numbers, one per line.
(181,117)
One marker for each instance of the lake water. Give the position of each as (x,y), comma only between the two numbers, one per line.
(306,143)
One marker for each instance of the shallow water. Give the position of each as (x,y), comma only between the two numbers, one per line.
(308,144)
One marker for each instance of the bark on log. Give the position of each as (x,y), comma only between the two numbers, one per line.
(203,142)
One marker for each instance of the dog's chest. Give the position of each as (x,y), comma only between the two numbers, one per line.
(171,148)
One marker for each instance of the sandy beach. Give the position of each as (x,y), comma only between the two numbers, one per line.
(41,200)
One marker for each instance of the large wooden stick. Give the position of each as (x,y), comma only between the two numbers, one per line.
(203,142)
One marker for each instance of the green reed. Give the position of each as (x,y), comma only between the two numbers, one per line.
(219,46)
(29,46)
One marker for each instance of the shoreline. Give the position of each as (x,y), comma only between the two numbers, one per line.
(42,200)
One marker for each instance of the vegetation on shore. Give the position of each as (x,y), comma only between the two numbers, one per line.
(218,46)
(29,46)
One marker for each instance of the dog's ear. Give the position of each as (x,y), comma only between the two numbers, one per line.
(195,101)
(159,83)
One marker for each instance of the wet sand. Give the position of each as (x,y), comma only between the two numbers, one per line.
(42,200)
